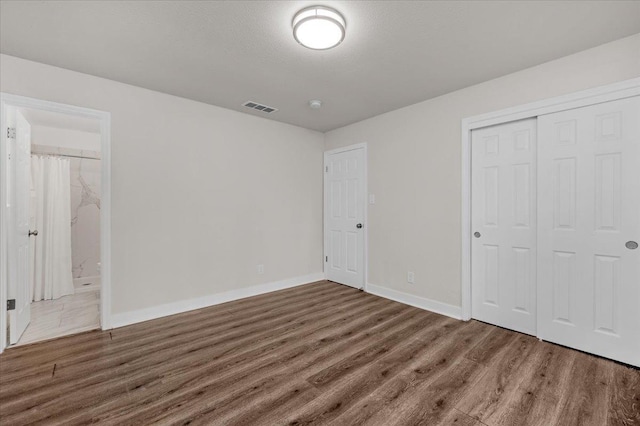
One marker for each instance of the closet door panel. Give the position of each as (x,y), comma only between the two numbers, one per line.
(503,218)
(588,212)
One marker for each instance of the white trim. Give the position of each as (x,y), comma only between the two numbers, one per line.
(366,206)
(596,95)
(105,202)
(620,90)
(419,302)
(140,315)
(362,145)
(3,230)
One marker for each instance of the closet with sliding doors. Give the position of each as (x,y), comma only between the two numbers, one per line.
(555,226)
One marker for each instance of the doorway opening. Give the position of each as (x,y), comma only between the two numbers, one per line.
(55,182)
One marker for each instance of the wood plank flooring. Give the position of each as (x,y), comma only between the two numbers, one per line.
(322,353)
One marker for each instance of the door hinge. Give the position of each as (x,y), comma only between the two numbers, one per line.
(326,169)
(11,304)
(326,258)
(11,132)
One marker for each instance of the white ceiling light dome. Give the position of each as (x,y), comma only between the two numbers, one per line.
(319,27)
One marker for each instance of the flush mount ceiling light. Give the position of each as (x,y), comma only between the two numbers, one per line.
(318,27)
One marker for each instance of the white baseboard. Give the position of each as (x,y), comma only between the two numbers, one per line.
(132,317)
(419,302)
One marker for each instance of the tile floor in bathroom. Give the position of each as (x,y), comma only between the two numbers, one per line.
(67,315)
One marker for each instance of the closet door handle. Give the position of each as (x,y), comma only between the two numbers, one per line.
(34,233)
(631,245)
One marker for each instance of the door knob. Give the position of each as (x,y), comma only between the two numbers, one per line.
(34,233)
(476,234)
(359,226)
(631,245)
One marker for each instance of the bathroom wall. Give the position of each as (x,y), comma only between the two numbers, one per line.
(85,194)
(85,219)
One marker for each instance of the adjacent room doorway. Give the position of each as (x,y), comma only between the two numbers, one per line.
(54,210)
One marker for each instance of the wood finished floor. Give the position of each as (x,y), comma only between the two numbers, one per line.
(316,354)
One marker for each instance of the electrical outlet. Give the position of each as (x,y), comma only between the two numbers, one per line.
(411,278)
(261,269)
(372,199)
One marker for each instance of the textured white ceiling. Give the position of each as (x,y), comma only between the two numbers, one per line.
(395,53)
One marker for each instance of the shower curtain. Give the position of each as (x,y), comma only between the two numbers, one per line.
(51,216)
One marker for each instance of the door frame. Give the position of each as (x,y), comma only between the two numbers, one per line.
(353,147)
(9,100)
(610,92)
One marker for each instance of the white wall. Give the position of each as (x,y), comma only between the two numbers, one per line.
(200,194)
(414,165)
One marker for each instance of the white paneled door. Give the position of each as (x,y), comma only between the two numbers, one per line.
(589,222)
(19,279)
(344,214)
(503,249)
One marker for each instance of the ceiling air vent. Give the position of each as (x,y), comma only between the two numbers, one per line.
(259,107)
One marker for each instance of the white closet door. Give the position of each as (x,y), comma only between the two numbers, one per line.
(589,219)
(503,247)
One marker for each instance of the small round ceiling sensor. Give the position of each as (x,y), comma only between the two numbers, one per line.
(315,104)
